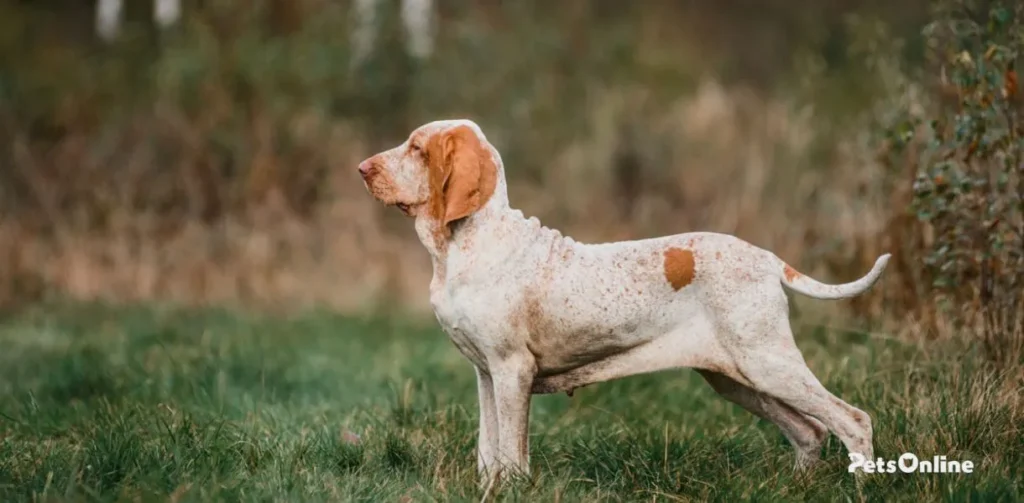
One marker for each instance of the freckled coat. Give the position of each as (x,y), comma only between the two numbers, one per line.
(537,312)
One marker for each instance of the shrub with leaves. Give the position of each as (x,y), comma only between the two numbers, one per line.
(970,174)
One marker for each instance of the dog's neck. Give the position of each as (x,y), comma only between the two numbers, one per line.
(494,231)
(438,240)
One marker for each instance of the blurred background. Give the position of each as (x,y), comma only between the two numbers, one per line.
(204,152)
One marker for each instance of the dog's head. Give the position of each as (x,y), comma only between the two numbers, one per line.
(444,171)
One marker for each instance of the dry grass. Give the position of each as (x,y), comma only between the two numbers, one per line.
(721,159)
(217,166)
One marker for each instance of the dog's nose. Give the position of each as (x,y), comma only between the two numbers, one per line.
(365,167)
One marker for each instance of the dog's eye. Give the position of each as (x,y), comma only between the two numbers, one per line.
(415,148)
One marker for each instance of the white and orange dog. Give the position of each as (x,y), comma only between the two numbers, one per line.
(536,312)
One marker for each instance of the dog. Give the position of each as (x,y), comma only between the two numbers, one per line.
(537,312)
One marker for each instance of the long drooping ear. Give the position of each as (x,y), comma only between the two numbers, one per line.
(462,175)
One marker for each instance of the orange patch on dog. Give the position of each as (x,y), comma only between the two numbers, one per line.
(678,267)
(791,273)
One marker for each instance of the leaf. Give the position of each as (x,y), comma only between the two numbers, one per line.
(964,58)
(971,149)
(1001,16)
(1010,84)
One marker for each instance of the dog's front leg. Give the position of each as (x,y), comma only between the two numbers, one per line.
(487,441)
(512,379)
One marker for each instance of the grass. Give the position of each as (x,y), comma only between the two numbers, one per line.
(148,403)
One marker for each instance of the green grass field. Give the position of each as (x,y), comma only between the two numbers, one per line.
(144,404)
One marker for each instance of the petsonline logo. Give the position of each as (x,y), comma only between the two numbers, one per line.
(909,463)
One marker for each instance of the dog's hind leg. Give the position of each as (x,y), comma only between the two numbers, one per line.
(760,340)
(806,434)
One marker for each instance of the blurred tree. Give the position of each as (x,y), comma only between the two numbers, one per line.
(109,15)
(417,18)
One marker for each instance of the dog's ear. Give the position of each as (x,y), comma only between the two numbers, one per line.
(462,175)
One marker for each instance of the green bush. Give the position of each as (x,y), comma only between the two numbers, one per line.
(969,176)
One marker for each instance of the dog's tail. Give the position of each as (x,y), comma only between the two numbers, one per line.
(810,287)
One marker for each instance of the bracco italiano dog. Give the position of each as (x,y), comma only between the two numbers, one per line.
(536,312)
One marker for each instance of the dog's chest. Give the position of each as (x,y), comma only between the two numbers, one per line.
(470,317)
